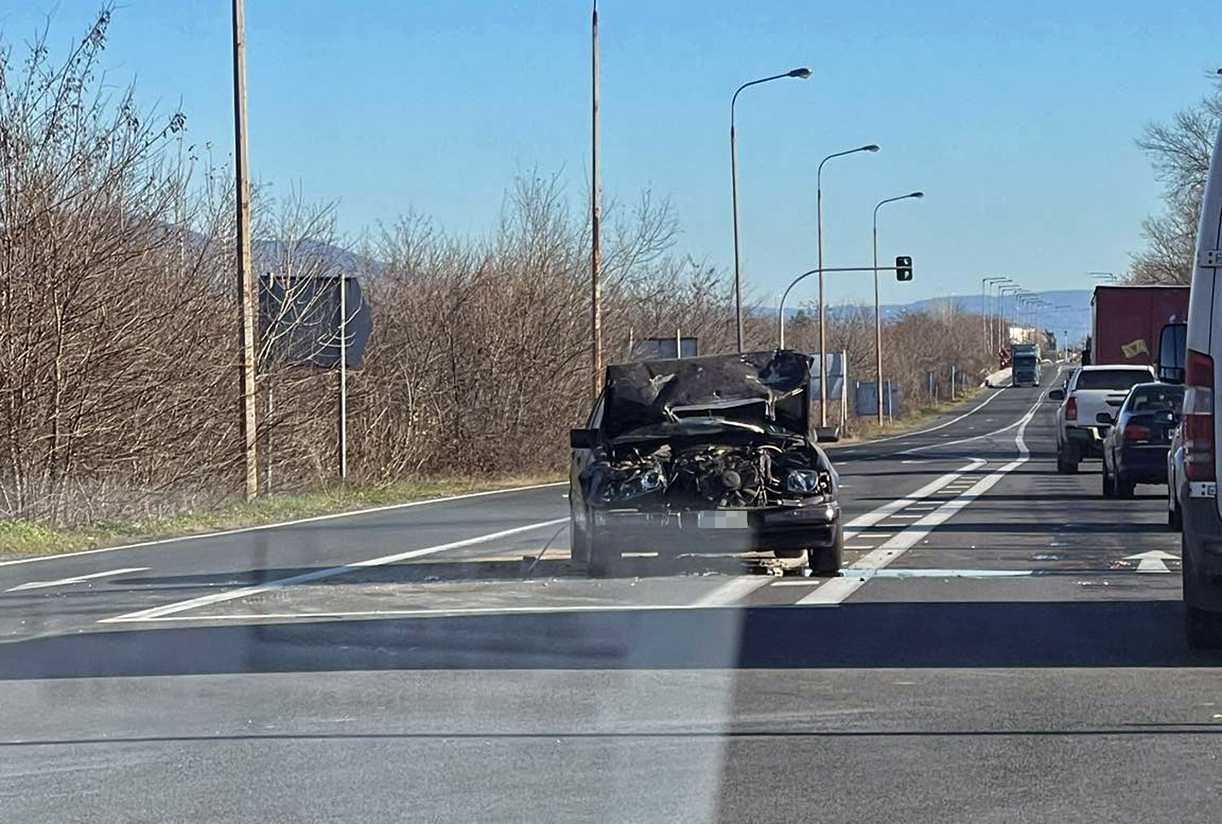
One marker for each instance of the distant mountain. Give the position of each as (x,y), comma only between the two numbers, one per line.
(1075,320)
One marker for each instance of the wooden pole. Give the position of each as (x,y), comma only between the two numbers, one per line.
(596,259)
(246,279)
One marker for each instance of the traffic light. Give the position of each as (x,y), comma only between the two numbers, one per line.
(903,268)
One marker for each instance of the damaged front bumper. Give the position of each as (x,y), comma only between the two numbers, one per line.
(793,528)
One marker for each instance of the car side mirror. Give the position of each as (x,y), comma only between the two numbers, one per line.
(827,434)
(1056,395)
(583,438)
(1104,417)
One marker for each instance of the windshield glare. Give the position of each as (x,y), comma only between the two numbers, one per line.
(549,411)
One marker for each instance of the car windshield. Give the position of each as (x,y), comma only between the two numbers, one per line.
(1115,379)
(611,411)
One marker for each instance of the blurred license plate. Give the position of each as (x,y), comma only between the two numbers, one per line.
(733,519)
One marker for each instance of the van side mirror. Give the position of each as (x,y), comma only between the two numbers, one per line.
(1056,395)
(583,438)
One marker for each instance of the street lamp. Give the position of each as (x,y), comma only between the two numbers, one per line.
(878,322)
(801,74)
(994,309)
(985,283)
(873,147)
(1013,291)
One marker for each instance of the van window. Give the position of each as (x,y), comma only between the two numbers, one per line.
(1111,379)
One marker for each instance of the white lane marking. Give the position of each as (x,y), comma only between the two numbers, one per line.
(319,574)
(428,613)
(908,517)
(859,546)
(936,573)
(732,591)
(891,507)
(838,589)
(1001,431)
(312,520)
(970,412)
(74,580)
(1155,560)
(857,572)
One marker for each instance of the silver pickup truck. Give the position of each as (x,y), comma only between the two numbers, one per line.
(1088,408)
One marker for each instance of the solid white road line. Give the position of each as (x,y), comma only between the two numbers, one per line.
(967,414)
(838,589)
(75,580)
(312,520)
(320,574)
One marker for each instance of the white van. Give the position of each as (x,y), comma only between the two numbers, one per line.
(1202,519)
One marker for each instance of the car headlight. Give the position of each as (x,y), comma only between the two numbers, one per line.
(806,482)
(626,487)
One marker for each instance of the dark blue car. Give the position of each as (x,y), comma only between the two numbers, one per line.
(1135,449)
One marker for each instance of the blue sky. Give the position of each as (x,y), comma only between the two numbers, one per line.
(1017,121)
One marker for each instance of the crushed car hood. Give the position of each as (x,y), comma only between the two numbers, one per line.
(768,389)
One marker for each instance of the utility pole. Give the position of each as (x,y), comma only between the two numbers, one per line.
(246,278)
(343,377)
(596,255)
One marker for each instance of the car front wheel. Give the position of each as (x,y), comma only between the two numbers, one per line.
(604,557)
(828,560)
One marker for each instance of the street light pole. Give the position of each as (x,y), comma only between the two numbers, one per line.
(878,322)
(596,257)
(984,308)
(802,74)
(822,303)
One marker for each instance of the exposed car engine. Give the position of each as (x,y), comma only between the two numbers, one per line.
(717,475)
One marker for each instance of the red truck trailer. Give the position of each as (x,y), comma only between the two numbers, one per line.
(1126,322)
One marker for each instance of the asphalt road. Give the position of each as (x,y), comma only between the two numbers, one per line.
(995,651)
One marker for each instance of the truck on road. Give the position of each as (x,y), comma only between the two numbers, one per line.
(1127,322)
(1025,364)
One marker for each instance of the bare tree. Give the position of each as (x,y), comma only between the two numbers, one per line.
(1180,153)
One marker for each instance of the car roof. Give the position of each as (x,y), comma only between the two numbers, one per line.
(1125,367)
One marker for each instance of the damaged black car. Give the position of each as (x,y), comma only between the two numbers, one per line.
(704,455)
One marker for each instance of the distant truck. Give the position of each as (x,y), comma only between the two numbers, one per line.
(1127,323)
(1025,364)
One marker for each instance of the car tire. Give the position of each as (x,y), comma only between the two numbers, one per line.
(579,540)
(1175,521)
(604,557)
(1122,487)
(1065,466)
(1202,627)
(828,560)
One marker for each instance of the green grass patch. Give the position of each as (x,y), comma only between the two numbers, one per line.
(30,538)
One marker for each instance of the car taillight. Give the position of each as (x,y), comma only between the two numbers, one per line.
(1071,409)
(1136,432)
(1198,420)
